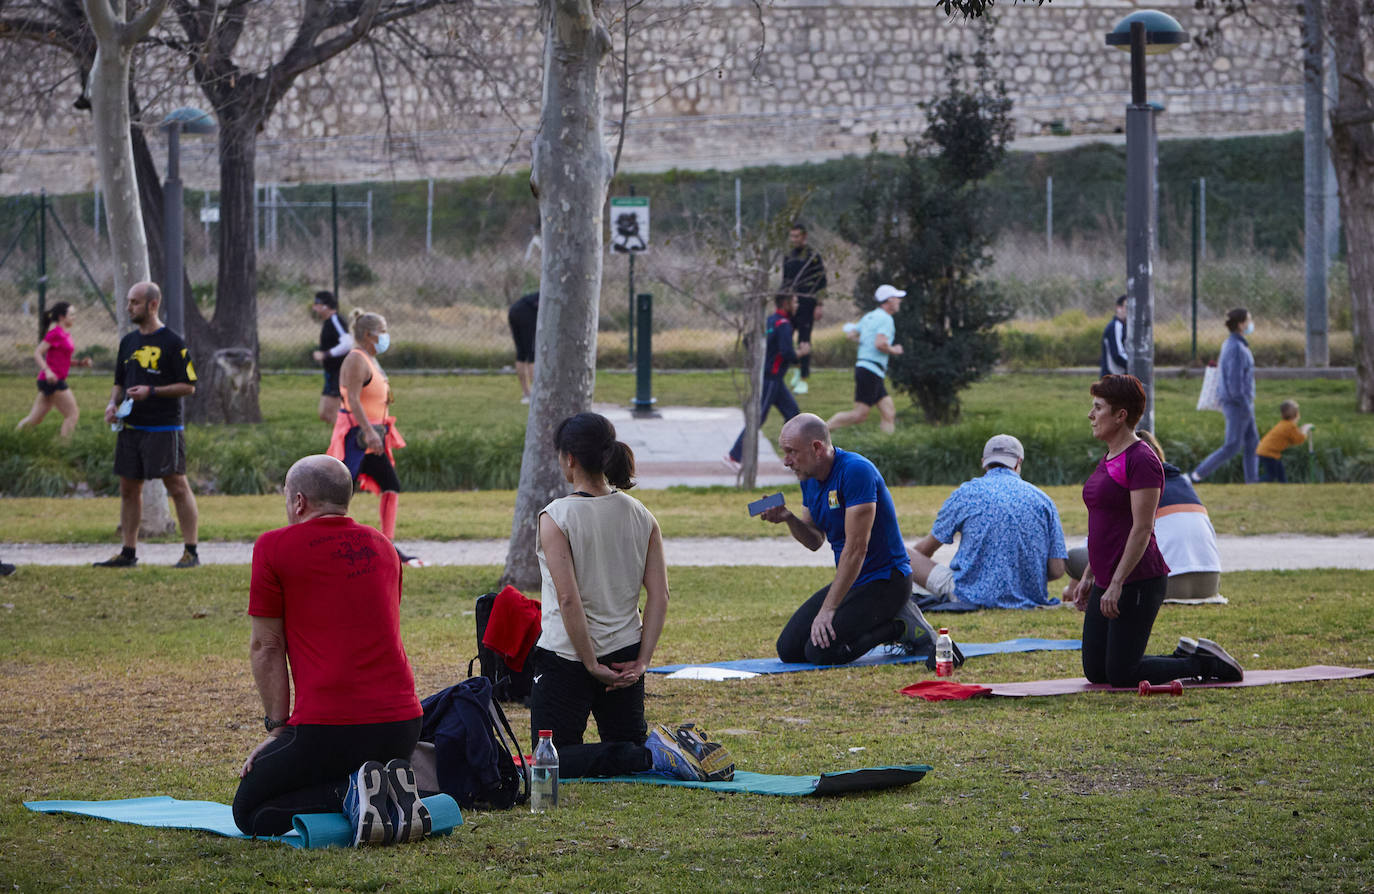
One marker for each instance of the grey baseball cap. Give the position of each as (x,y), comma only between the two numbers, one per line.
(1003,449)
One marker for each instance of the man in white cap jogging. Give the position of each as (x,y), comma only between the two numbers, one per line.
(1011,542)
(876,332)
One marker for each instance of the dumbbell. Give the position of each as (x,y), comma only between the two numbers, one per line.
(1173,687)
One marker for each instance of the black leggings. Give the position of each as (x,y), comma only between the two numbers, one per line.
(1114,648)
(306,769)
(563,695)
(866,617)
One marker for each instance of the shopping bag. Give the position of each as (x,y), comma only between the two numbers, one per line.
(1211,384)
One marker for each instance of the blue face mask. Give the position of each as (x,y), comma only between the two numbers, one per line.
(1250,327)
(383,342)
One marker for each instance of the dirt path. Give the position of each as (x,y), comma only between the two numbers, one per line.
(1237,553)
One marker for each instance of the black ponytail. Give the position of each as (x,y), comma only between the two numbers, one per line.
(590,439)
(55,313)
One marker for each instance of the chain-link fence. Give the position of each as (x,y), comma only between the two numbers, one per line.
(444,260)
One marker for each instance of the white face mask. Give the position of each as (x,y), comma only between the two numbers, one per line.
(383,342)
(1250,327)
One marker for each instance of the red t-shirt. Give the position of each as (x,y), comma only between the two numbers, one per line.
(336,585)
(60,349)
(1107,494)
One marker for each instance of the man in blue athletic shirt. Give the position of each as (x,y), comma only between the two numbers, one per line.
(845,502)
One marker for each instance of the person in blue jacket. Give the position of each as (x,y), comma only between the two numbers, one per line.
(778,356)
(1237,395)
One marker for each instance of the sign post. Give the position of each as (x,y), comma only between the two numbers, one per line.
(630,235)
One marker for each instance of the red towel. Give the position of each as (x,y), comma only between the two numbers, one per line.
(513,628)
(944,690)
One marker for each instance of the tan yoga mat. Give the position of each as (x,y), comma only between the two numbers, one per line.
(1252,678)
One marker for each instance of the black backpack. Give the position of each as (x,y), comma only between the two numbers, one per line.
(475,749)
(506,685)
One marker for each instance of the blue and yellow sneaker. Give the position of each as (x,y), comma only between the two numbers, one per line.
(684,753)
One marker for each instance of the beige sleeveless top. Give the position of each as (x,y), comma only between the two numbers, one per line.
(609,536)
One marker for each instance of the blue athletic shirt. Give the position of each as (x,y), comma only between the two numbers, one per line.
(872,324)
(854,481)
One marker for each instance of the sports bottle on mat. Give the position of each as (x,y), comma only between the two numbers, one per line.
(944,654)
(544,774)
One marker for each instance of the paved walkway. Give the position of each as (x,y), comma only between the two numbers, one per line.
(687,446)
(1237,553)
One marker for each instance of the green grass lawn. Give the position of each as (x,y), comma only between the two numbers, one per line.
(138,684)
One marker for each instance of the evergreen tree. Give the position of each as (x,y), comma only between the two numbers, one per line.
(924,223)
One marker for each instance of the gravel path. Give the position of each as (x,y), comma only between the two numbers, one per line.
(1283,552)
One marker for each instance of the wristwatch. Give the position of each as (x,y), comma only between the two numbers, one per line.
(271,724)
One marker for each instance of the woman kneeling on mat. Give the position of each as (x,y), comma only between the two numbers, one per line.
(1121,495)
(597,547)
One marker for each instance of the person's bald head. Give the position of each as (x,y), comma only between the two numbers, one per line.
(317,485)
(143,301)
(806,447)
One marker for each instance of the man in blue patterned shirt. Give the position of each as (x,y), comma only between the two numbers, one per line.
(1011,542)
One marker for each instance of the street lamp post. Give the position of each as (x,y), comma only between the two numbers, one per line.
(1146,32)
(191,121)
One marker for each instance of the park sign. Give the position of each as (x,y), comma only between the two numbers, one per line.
(630,224)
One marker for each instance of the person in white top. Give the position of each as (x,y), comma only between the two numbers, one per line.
(597,547)
(876,334)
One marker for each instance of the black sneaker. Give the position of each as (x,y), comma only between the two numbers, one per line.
(6,569)
(118,560)
(1217,663)
(365,805)
(410,820)
(1186,648)
(188,560)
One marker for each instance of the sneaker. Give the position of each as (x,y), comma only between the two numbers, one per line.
(410,820)
(408,559)
(917,637)
(801,387)
(958,654)
(118,560)
(188,560)
(1217,663)
(365,805)
(6,569)
(684,753)
(730,463)
(525,400)
(794,378)
(1186,648)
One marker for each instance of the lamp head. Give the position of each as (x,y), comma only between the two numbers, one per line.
(1162,32)
(191,120)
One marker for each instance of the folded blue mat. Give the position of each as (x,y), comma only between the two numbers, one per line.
(882,655)
(312,830)
(861,780)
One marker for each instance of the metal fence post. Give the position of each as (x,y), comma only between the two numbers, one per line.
(429,219)
(334,233)
(1197,238)
(369,223)
(42,258)
(644,369)
(1049,216)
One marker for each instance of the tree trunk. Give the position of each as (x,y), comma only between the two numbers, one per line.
(755,349)
(1352,152)
(570,173)
(227,348)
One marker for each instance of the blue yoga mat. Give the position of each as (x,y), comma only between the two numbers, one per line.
(881,655)
(865,779)
(312,830)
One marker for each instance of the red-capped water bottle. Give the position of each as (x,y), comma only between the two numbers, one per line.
(544,774)
(944,654)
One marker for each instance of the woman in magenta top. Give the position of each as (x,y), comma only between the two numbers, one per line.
(1123,587)
(54,358)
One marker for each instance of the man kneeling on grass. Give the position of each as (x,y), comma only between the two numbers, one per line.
(325,600)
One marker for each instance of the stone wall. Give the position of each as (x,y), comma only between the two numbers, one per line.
(721,85)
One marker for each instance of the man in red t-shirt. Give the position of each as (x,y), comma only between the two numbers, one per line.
(325,601)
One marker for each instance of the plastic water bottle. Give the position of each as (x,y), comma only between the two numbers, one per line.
(544,774)
(944,654)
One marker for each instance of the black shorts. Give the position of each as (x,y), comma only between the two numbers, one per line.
(331,383)
(144,455)
(522,328)
(51,388)
(868,387)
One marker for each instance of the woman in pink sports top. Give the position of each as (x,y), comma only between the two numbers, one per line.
(1124,584)
(54,358)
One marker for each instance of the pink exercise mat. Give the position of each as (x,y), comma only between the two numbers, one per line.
(1252,678)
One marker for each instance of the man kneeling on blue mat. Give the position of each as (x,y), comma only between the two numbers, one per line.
(325,600)
(846,502)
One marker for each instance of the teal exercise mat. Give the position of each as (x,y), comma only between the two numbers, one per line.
(880,655)
(312,830)
(839,783)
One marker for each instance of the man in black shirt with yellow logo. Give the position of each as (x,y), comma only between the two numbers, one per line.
(153,372)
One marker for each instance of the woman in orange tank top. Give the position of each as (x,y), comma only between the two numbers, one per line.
(365,432)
